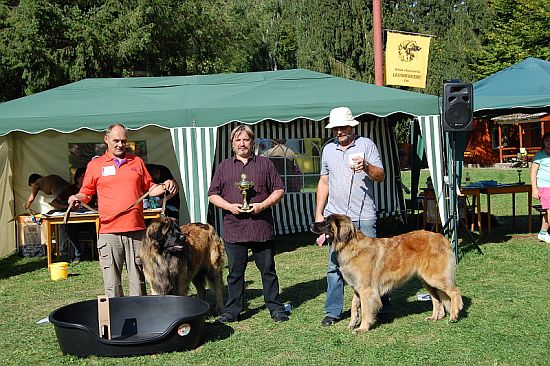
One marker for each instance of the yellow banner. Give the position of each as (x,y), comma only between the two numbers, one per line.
(407,59)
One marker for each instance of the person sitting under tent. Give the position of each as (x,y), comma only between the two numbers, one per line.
(160,173)
(70,232)
(50,185)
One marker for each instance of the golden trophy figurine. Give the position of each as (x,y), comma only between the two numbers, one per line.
(244,185)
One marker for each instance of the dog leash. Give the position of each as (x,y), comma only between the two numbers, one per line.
(67,215)
(32,214)
(350,189)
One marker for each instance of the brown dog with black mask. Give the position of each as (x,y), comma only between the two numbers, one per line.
(372,267)
(173,257)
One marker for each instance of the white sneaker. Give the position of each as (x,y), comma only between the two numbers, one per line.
(544,237)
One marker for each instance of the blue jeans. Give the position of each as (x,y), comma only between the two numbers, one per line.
(335,282)
(68,233)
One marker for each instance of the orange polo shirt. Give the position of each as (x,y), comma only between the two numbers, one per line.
(116,189)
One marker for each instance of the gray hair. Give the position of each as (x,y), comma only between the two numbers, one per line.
(110,128)
(240,128)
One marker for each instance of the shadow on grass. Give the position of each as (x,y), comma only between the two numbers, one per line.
(401,306)
(296,295)
(301,292)
(291,242)
(216,332)
(14,265)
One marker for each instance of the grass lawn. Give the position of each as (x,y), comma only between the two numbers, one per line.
(504,322)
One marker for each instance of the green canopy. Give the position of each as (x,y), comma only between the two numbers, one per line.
(524,86)
(197,113)
(203,101)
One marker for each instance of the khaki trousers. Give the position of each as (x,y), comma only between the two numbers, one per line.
(114,251)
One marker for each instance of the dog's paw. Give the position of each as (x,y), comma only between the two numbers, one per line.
(360,330)
(453,318)
(352,324)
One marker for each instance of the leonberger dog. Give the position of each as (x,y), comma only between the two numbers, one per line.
(174,256)
(372,267)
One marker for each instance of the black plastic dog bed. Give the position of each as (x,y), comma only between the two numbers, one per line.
(139,325)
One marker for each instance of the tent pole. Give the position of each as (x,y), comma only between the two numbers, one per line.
(452,224)
(415,162)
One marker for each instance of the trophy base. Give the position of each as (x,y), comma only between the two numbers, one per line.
(246,209)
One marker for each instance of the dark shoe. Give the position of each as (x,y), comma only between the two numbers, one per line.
(280,317)
(224,319)
(329,320)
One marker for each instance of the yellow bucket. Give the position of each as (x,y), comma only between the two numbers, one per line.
(59,271)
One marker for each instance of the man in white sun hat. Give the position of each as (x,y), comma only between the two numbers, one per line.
(349,167)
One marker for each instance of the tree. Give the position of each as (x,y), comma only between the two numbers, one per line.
(335,37)
(49,43)
(520,30)
(28,50)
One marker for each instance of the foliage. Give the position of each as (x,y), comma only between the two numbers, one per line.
(520,31)
(46,43)
(263,33)
(335,37)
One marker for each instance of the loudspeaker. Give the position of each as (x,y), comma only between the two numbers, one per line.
(458,103)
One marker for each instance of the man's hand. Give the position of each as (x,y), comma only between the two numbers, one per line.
(256,208)
(73,201)
(235,208)
(170,185)
(360,165)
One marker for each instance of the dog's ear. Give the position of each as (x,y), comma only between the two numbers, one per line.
(343,229)
(155,231)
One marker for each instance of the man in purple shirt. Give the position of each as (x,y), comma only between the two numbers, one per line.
(252,229)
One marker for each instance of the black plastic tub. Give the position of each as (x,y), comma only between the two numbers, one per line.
(139,325)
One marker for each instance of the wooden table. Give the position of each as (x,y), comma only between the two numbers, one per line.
(509,189)
(429,194)
(50,223)
(476,205)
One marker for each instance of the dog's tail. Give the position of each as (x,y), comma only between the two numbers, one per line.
(217,242)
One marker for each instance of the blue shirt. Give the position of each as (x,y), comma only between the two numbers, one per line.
(543,173)
(350,194)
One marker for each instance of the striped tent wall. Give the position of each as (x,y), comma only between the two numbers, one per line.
(296,211)
(432,134)
(195,150)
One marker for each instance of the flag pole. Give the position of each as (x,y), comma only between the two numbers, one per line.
(377,30)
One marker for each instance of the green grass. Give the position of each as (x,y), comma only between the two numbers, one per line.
(504,322)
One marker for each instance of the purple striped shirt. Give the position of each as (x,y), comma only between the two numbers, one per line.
(243,228)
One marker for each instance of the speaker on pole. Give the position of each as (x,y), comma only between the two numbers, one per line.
(458,103)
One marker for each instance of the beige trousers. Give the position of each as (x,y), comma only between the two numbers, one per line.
(114,251)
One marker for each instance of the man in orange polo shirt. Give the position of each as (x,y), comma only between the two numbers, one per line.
(119,179)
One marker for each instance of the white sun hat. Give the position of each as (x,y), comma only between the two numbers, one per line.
(341,117)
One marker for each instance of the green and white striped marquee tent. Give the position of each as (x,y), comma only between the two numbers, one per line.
(199,111)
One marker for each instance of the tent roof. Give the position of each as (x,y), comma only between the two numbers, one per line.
(203,101)
(523,87)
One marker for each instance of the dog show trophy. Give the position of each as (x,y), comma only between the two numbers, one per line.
(244,185)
